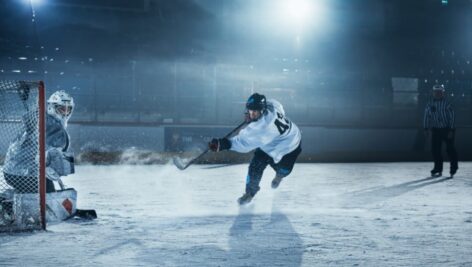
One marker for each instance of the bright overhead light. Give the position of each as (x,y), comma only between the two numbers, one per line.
(298,11)
(299,15)
(33,2)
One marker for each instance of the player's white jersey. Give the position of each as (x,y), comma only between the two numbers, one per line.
(273,133)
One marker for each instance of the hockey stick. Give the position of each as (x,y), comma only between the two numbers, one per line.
(86,214)
(182,166)
(83,214)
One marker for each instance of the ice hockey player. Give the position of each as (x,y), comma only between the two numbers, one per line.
(20,169)
(276,140)
(439,119)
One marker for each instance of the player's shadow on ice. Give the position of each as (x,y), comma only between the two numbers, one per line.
(264,240)
(253,240)
(376,194)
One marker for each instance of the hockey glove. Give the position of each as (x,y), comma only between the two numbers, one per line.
(51,174)
(61,162)
(216,145)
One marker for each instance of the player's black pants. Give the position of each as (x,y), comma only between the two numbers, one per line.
(259,162)
(438,136)
(25,184)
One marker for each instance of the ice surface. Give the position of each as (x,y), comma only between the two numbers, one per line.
(384,214)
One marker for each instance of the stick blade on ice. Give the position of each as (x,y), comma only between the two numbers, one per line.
(178,162)
(86,214)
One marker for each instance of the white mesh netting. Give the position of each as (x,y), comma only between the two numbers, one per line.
(19,155)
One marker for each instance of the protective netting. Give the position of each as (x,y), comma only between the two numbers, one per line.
(19,155)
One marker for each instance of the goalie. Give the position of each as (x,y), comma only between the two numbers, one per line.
(21,170)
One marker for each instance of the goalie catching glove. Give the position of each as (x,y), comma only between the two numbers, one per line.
(220,144)
(59,163)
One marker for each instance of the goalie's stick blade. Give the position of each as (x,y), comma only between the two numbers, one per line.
(86,214)
(179,163)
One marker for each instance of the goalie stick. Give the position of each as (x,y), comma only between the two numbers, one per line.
(182,166)
(86,214)
(83,214)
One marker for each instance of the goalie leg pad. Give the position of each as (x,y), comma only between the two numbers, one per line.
(60,206)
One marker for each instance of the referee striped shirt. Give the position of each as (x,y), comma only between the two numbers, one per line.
(438,114)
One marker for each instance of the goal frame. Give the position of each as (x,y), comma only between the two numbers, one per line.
(41,220)
(42,152)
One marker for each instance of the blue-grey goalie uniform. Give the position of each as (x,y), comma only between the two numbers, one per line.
(21,162)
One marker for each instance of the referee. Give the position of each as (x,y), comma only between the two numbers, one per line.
(439,118)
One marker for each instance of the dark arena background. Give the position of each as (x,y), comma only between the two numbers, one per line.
(155,75)
(155,79)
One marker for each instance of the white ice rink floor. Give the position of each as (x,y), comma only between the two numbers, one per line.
(384,214)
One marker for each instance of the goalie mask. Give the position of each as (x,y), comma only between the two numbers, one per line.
(60,106)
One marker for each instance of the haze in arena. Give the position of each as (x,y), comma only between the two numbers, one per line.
(235,133)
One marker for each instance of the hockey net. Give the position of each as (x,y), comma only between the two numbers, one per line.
(22,156)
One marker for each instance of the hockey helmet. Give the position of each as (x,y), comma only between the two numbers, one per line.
(60,105)
(256,102)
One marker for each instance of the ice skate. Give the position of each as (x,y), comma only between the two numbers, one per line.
(436,173)
(276,181)
(453,171)
(245,199)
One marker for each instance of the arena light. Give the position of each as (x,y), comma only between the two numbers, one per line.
(33,2)
(297,11)
(297,17)
(300,14)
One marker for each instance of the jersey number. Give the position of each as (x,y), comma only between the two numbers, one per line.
(282,123)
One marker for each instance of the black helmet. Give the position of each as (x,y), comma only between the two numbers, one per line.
(256,102)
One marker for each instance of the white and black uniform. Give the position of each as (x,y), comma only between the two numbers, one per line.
(273,133)
(439,117)
(439,114)
(276,139)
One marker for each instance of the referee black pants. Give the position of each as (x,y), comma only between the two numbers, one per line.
(438,136)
